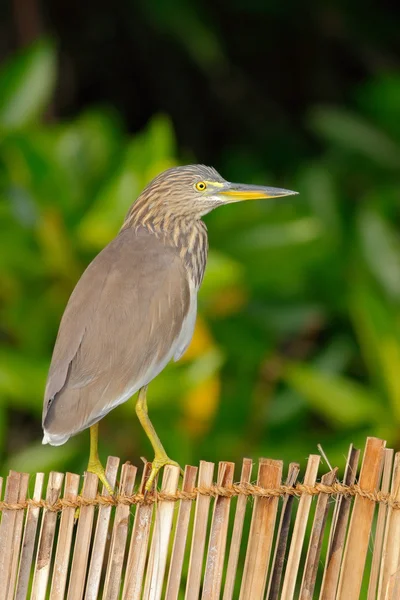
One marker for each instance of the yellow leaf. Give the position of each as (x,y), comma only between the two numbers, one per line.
(201,341)
(200,405)
(227,301)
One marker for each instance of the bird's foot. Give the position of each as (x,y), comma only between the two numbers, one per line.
(158,463)
(97,468)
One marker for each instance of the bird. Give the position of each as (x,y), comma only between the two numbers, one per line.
(134,308)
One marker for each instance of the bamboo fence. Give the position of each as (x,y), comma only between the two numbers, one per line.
(203,539)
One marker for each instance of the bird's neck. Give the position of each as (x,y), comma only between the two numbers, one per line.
(187,235)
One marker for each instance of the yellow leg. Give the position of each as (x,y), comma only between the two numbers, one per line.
(94,465)
(161,458)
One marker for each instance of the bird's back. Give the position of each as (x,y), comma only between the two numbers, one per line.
(124,321)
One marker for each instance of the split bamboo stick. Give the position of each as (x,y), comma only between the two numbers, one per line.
(101,534)
(338,531)
(7,528)
(63,552)
(315,544)
(82,541)
(46,539)
(380,526)
(28,541)
(132,589)
(391,549)
(396,587)
(292,567)
(360,523)
(161,534)
(282,535)
(237,531)
(261,533)
(199,533)
(218,533)
(119,536)
(181,531)
(16,541)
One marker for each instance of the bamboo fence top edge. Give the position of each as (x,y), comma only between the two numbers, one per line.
(246,489)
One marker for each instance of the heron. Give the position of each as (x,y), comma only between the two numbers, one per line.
(134,308)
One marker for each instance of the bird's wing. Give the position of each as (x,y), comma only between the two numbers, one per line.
(118,331)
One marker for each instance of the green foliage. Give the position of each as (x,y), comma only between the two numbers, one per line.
(26,86)
(299,331)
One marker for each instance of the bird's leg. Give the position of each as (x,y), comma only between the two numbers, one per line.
(161,458)
(94,465)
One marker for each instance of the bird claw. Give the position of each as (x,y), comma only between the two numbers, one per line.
(97,469)
(158,463)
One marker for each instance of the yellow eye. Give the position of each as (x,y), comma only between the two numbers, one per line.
(200,186)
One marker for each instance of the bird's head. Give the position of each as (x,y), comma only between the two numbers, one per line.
(194,190)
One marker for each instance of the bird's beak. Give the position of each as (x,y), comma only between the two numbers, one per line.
(236,192)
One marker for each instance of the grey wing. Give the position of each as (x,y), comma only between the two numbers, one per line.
(120,328)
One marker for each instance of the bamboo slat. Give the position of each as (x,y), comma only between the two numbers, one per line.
(282,535)
(181,531)
(396,587)
(317,532)
(28,541)
(299,530)
(237,533)
(338,531)
(161,534)
(62,557)
(46,539)
(380,526)
(101,534)
(206,472)
(119,536)
(218,533)
(261,532)
(360,524)
(7,527)
(132,589)
(16,541)
(82,541)
(390,556)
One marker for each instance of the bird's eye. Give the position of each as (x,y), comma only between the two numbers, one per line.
(200,186)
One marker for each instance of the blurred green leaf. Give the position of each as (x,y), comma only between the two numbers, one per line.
(380,96)
(104,219)
(290,234)
(317,185)
(379,337)
(26,85)
(354,133)
(380,246)
(152,150)
(22,380)
(222,271)
(182,21)
(89,148)
(204,366)
(339,400)
(38,458)
(149,153)
(31,161)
